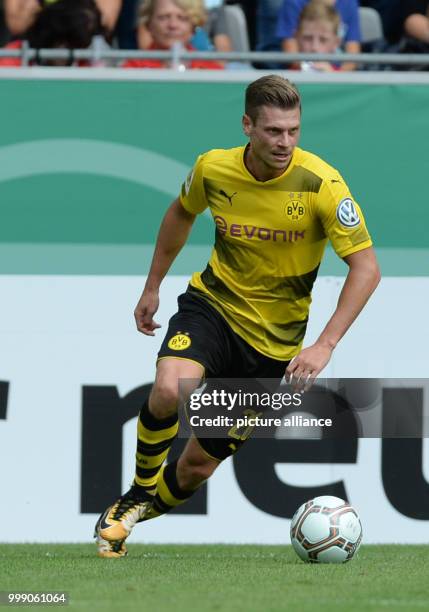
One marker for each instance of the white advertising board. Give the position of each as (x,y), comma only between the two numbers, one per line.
(59,334)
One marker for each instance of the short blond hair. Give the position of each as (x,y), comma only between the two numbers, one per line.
(270,90)
(317,10)
(193,8)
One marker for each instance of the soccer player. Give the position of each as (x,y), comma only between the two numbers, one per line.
(275,206)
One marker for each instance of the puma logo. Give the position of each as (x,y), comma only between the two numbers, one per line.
(225,195)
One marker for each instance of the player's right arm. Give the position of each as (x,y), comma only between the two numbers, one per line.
(172,235)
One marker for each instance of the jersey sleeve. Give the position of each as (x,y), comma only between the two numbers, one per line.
(341,217)
(193,195)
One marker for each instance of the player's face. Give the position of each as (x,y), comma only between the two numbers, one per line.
(316,37)
(273,137)
(169,24)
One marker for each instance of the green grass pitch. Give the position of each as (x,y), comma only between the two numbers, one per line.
(180,578)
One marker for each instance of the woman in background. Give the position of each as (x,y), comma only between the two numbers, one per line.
(169,22)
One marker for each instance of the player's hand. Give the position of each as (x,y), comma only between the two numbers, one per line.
(307,365)
(146,307)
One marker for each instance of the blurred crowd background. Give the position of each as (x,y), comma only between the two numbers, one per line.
(286,26)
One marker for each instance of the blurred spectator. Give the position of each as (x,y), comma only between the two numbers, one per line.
(210,33)
(402,18)
(4,32)
(267,15)
(318,33)
(391,12)
(109,10)
(170,22)
(250,9)
(126,27)
(69,24)
(216,27)
(350,30)
(20,14)
(416,20)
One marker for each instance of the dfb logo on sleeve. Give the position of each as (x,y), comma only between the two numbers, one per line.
(347,214)
(188,181)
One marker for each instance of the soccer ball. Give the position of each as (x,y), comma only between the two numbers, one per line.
(326,529)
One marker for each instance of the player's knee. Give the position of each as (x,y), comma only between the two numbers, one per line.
(191,474)
(164,398)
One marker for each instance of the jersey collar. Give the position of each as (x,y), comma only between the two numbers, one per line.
(272,181)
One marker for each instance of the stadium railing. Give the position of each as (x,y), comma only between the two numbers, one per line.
(178,56)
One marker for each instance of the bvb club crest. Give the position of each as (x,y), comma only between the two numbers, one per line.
(294,210)
(179,342)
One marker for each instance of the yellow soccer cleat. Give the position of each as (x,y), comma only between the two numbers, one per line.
(117,522)
(110,550)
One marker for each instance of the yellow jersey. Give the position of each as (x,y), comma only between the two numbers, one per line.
(269,241)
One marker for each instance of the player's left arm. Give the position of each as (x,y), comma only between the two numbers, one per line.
(361,281)
(344,224)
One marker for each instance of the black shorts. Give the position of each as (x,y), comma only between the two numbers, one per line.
(200,333)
